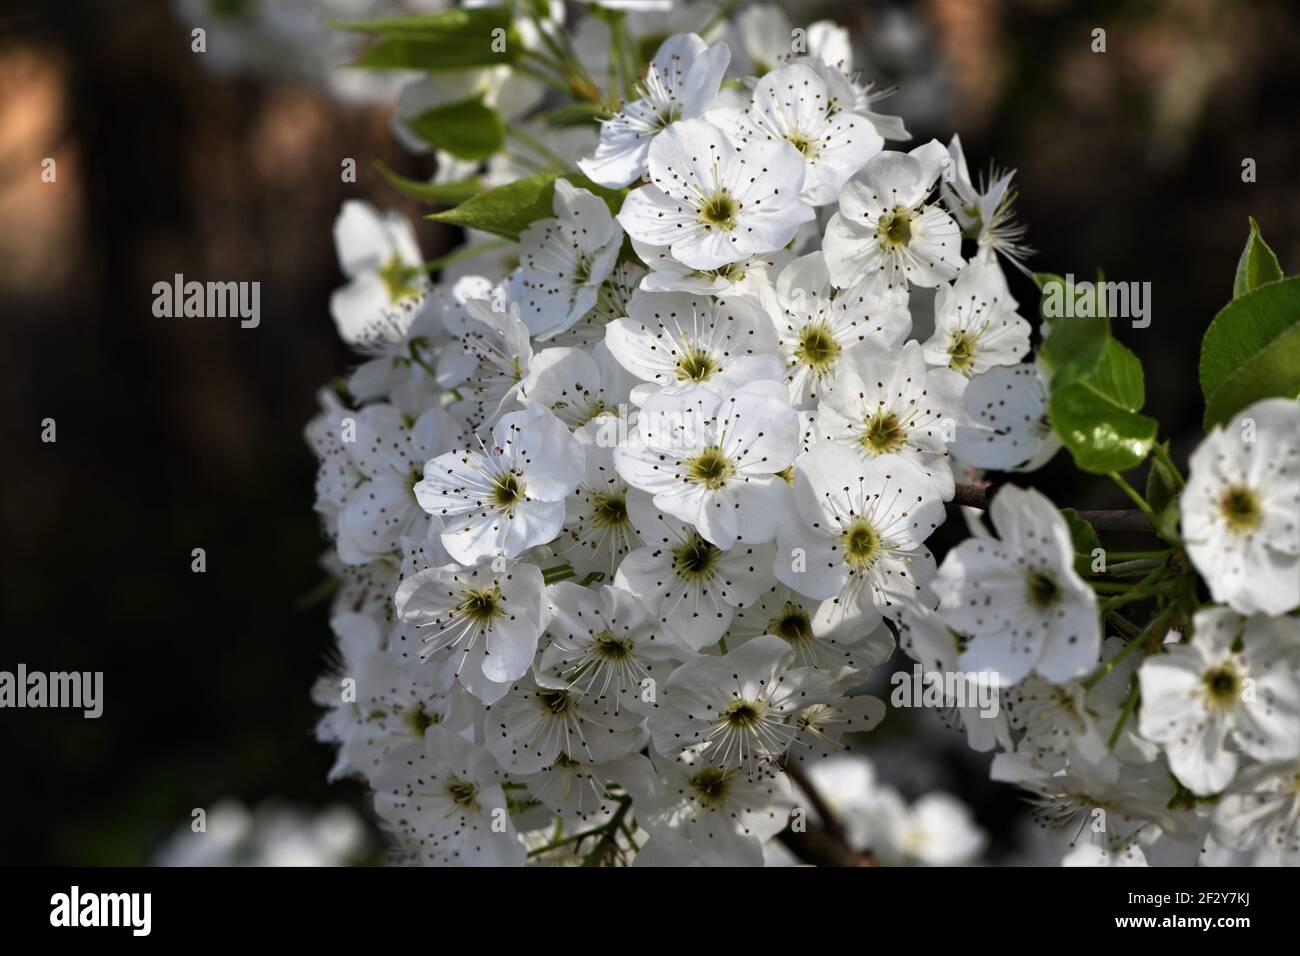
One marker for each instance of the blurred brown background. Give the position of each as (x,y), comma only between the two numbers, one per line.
(175,434)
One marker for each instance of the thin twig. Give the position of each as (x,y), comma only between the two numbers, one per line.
(980,495)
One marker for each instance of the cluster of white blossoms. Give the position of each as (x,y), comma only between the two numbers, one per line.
(622,528)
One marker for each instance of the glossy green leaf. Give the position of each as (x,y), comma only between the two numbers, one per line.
(508,210)
(1252,350)
(441,42)
(1101,435)
(1257,264)
(439,194)
(468,129)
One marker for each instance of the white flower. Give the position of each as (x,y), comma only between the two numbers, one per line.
(855,542)
(404,335)
(976,326)
(885,229)
(600,516)
(713,202)
(889,403)
(676,341)
(379,511)
(929,641)
(501,355)
(1006,427)
(607,647)
(563,261)
(534,727)
(482,623)
(1019,600)
(848,652)
(689,584)
(792,104)
(381,258)
(720,817)
(750,277)
(736,710)
(937,830)
(1241,509)
(1233,689)
(817,323)
(611,303)
(1261,811)
(576,385)
(575,788)
(442,796)
(985,211)
(508,497)
(712,461)
(681,83)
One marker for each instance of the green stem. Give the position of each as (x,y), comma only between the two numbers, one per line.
(1137,499)
(540,148)
(1168,462)
(1130,703)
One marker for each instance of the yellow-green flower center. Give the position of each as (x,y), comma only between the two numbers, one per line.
(817,347)
(883,433)
(1241,509)
(1043,591)
(481,605)
(792,625)
(710,786)
(719,211)
(507,491)
(695,560)
(609,508)
(710,468)
(961,351)
(895,227)
(399,278)
(1223,684)
(861,543)
(695,365)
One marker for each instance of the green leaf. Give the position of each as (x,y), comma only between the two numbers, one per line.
(1118,377)
(1252,350)
(1084,537)
(1101,435)
(1162,496)
(1257,264)
(576,114)
(469,129)
(1073,349)
(440,194)
(508,210)
(441,42)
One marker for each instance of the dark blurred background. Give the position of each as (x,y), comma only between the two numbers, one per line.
(175,434)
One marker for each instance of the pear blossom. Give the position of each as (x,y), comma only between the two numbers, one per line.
(713,460)
(506,497)
(1006,426)
(985,210)
(381,258)
(792,104)
(674,342)
(855,539)
(682,81)
(1241,509)
(713,201)
(817,324)
(889,403)
(690,585)
(976,326)
(483,624)
(564,261)
(887,230)
(1233,690)
(442,796)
